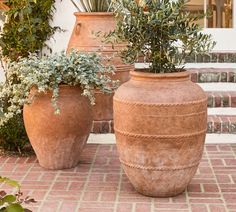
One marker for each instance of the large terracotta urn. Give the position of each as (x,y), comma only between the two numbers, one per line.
(58,139)
(84,39)
(160,123)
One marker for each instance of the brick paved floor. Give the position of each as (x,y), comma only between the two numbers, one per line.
(98,184)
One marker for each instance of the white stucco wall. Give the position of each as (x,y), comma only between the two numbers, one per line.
(63,17)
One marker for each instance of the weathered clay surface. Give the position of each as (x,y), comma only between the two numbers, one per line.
(58,140)
(160,125)
(84,39)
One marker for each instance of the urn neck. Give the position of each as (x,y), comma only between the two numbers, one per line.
(146,76)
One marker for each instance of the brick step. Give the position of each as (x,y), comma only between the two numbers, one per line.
(213,57)
(221,124)
(224,124)
(206,75)
(221,98)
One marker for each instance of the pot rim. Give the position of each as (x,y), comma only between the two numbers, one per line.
(147,76)
(93,14)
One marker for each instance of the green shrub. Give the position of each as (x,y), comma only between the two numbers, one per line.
(13,136)
(26,29)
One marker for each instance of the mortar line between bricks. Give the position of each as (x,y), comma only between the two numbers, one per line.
(230,101)
(221,100)
(5,162)
(48,191)
(87,179)
(212,169)
(187,200)
(221,125)
(26,173)
(118,191)
(213,99)
(152,205)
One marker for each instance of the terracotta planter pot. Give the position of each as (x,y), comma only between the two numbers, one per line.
(58,140)
(160,126)
(83,38)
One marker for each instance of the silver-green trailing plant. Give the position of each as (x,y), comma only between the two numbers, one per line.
(160,31)
(48,73)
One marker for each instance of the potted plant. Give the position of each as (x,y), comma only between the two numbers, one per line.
(93,17)
(160,116)
(56,93)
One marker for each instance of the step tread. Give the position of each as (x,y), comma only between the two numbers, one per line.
(220,86)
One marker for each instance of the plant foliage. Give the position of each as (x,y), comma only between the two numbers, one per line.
(13,202)
(92,5)
(161,31)
(48,73)
(27,27)
(13,136)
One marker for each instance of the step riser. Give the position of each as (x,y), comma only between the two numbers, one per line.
(213,75)
(221,99)
(221,124)
(215,124)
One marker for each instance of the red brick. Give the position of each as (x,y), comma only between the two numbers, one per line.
(230,162)
(112,177)
(12,159)
(48,177)
(64,197)
(180,198)
(108,196)
(124,207)
(217,162)
(205,195)
(194,188)
(97,177)
(205,170)
(217,208)
(38,195)
(230,198)
(225,147)
(233,99)
(170,206)
(210,200)
(68,206)
(223,178)
(162,200)
(140,207)
(96,210)
(198,208)
(210,188)
(60,186)
(96,205)
(32,159)
(76,186)
(49,206)
(32,176)
(91,196)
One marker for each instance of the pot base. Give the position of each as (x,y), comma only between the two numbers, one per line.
(160,183)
